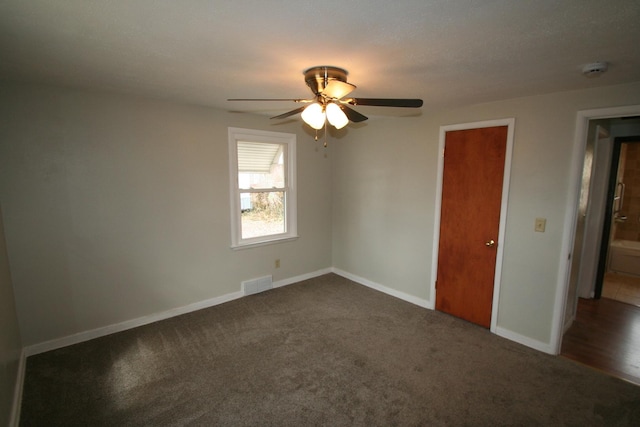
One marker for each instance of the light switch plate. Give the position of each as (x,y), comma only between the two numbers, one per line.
(541,223)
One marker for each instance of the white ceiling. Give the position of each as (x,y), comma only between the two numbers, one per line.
(447,52)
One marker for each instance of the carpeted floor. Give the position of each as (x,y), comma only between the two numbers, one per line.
(325,351)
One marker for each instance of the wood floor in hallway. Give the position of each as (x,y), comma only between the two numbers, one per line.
(606,335)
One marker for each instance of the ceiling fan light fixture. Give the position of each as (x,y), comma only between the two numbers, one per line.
(336,116)
(314,115)
(329,86)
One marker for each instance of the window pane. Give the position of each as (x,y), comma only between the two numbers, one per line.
(260,165)
(264,215)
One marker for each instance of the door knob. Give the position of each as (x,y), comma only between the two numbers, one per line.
(491,243)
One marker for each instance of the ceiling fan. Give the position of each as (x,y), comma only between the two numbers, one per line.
(329,86)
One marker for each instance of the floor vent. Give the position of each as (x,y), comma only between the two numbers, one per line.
(255,286)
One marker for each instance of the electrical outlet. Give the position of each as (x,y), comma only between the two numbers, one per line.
(277,263)
(541,224)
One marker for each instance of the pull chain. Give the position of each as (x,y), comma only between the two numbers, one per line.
(326,82)
(325,135)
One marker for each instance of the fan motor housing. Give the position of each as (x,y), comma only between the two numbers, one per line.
(318,77)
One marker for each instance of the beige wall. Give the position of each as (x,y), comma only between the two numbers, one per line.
(118,207)
(10,343)
(384,195)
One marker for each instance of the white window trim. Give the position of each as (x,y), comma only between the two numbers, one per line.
(291,222)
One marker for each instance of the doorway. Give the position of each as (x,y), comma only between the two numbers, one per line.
(621,121)
(473,180)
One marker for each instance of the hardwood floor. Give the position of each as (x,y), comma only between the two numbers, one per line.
(606,335)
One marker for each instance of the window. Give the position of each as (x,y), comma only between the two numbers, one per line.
(263,187)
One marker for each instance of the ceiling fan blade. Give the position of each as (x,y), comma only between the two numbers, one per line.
(290,113)
(336,89)
(352,114)
(270,99)
(385,102)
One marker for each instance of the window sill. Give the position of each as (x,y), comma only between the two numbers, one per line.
(264,243)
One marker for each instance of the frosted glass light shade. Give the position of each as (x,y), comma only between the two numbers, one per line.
(314,115)
(336,116)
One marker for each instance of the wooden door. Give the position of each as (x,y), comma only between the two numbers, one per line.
(474,161)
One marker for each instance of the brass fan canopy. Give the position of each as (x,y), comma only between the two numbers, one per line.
(318,77)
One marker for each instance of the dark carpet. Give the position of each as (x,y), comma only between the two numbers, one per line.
(325,351)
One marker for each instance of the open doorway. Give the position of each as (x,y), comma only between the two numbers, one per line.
(594,211)
(599,212)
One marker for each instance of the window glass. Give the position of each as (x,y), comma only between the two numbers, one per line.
(260,165)
(265,216)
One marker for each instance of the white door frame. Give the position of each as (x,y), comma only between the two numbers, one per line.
(510,123)
(571,215)
(594,214)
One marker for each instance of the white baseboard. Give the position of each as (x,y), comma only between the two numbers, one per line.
(14,419)
(378,287)
(300,278)
(502,332)
(119,327)
(123,326)
(145,320)
(526,341)
(129,324)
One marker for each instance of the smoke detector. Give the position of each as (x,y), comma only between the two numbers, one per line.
(595,69)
